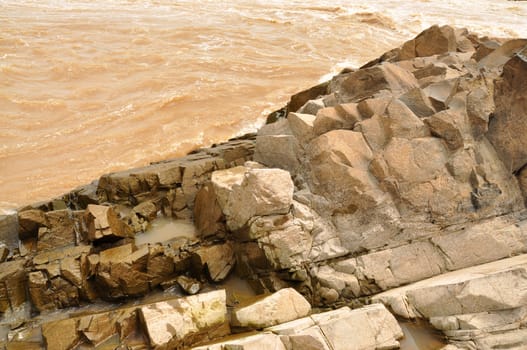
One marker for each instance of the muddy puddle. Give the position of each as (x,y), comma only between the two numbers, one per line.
(420,335)
(166,229)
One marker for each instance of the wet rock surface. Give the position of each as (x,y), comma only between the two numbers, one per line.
(401,184)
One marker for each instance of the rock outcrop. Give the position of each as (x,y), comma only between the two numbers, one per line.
(401,184)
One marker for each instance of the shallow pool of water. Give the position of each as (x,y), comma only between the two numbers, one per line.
(420,335)
(166,229)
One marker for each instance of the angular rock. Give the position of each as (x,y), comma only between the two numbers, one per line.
(12,285)
(416,160)
(282,306)
(104,223)
(441,93)
(418,102)
(402,122)
(328,119)
(259,341)
(244,193)
(29,221)
(218,260)
(493,286)
(480,107)
(286,248)
(448,126)
(278,151)
(181,322)
(60,335)
(370,81)
(339,161)
(435,40)
(60,230)
(208,216)
(338,330)
(302,126)
(300,98)
(508,126)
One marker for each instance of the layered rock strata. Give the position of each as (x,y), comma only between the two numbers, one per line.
(402,183)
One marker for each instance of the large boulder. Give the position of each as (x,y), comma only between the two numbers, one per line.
(243,193)
(104,224)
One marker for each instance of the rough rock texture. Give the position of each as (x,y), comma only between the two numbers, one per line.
(172,324)
(374,328)
(393,183)
(282,306)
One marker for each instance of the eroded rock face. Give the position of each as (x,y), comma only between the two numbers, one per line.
(282,306)
(507,127)
(243,193)
(388,183)
(180,322)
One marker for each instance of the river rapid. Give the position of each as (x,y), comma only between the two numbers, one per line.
(89,87)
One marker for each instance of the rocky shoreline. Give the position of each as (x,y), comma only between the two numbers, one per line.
(397,189)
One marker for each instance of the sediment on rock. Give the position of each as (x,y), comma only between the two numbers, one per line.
(402,182)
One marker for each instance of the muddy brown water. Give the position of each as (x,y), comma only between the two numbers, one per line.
(92,86)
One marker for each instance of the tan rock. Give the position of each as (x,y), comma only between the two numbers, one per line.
(416,160)
(441,93)
(12,285)
(339,161)
(217,259)
(250,341)
(402,122)
(489,287)
(328,119)
(449,126)
(60,335)
(374,106)
(104,223)
(180,322)
(378,328)
(370,81)
(244,193)
(282,306)
(60,230)
(288,247)
(278,151)
(508,126)
(480,106)
(299,99)
(435,40)
(418,102)
(208,216)
(302,126)
(29,221)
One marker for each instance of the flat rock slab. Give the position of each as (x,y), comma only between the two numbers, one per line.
(174,323)
(368,328)
(283,306)
(493,286)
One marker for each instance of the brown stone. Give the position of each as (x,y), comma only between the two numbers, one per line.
(435,40)
(299,99)
(480,107)
(217,259)
(508,127)
(448,126)
(60,230)
(12,285)
(60,335)
(370,81)
(104,223)
(29,221)
(208,216)
(418,102)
